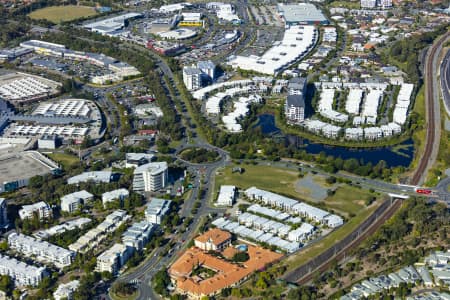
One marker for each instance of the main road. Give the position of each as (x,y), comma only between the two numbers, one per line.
(433,114)
(143,274)
(427,159)
(147,270)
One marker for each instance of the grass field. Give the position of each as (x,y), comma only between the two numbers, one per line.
(278,180)
(58,14)
(66,160)
(419,135)
(438,168)
(346,4)
(346,201)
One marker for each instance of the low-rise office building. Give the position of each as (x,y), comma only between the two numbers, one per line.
(134,160)
(112,259)
(227,195)
(41,250)
(94,176)
(138,235)
(72,202)
(65,291)
(118,194)
(40,209)
(156,210)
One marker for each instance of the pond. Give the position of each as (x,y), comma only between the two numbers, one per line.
(398,155)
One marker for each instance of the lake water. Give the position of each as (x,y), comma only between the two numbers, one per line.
(400,155)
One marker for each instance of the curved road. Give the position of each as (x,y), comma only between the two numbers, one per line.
(445,81)
(433,112)
(146,271)
(427,159)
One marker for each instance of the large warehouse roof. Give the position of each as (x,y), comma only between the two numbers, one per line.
(301,13)
(296,43)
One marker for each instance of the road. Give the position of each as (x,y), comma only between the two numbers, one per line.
(433,116)
(427,159)
(152,265)
(445,81)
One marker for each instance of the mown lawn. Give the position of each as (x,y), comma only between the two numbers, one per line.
(347,200)
(345,4)
(58,14)
(419,135)
(277,180)
(66,160)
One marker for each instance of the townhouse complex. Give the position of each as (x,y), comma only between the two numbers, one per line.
(40,250)
(21,273)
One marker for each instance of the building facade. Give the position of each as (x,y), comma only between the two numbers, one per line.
(138,235)
(192,78)
(65,291)
(21,273)
(214,239)
(295,109)
(119,194)
(151,177)
(156,210)
(41,250)
(4,222)
(41,209)
(73,202)
(368,3)
(112,259)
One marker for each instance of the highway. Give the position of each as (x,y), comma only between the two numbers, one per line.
(155,262)
(433,115)
(426,160)
(445,81)
(144,273)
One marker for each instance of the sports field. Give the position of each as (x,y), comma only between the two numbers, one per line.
(58,14)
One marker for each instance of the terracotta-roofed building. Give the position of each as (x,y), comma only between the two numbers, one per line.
(227,274)
(214,239)
(148,132)
(369,46)
(230,252)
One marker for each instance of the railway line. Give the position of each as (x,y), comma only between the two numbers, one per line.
(305,273)
(431,136)
(371,230)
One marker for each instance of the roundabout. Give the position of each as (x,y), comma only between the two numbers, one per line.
(198,155)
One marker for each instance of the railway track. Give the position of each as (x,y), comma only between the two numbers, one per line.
(343,253)
(415,179)
(429,99)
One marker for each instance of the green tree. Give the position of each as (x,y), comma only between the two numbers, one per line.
(261,283)
(6,284)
